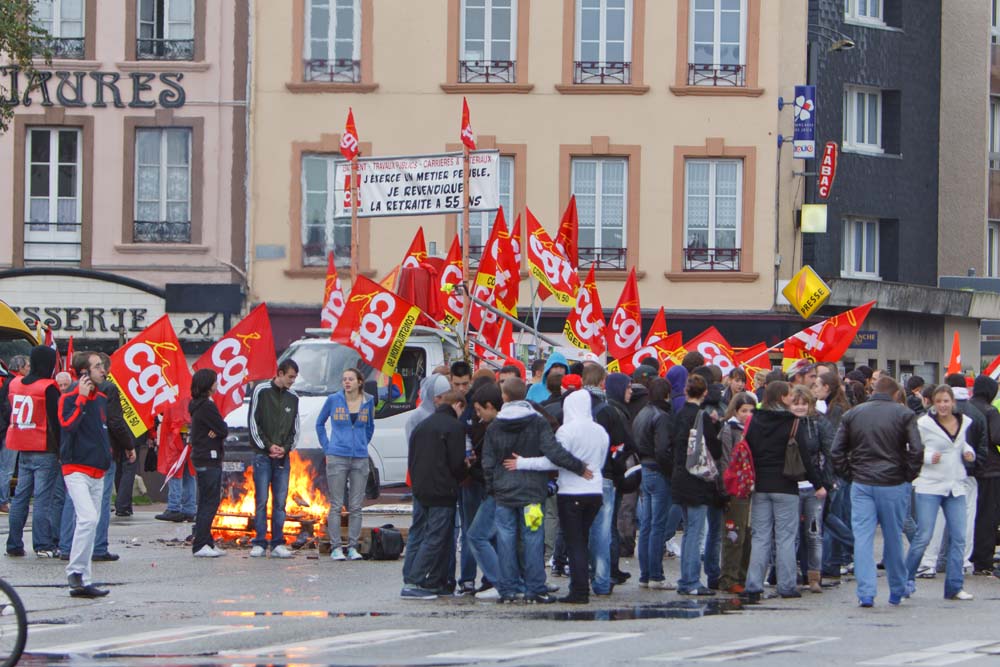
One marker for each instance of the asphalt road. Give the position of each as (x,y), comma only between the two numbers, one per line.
(167,608)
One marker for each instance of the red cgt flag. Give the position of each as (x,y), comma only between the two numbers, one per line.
(417,252)
(349,144)
(659,344)
(451,277)
(566,240)
(585,326)
(714,347)
(244,354)
(468,136)
(955,362)
(377,324)
(753,360)
(496,281)
(549,266)
(333,296)
(151,374)
(624,333)
(68,365)
(826,340)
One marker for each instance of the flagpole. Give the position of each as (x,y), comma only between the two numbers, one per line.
(467,301)
(534,313)
(354,221)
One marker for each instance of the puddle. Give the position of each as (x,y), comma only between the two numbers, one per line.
(678,609)
(305,614)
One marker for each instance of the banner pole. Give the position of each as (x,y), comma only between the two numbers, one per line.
(467,301)
(354,222)
(534,313)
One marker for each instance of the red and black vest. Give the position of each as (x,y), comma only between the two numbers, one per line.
(29,424)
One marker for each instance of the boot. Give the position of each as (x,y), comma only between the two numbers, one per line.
(814,581)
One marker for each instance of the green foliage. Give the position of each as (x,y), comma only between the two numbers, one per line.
(20,42)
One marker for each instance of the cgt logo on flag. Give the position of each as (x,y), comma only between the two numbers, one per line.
(549,265)
(806,292)
(377,324)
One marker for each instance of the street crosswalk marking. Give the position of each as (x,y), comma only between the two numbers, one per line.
(744,648)
(945,654)
(340,643)
(529,647)
(34,629)
(109,645)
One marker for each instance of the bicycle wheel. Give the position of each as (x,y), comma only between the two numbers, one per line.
(13,625)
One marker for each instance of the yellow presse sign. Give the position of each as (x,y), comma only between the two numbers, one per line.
(806,292)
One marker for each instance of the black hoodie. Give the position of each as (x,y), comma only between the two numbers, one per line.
(768,437)
(43,366)
(983,392)
(437,458)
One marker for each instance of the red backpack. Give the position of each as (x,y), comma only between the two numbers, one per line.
(739,477)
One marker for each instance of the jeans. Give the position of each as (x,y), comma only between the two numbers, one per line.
(616,538)
(426,562)
(838,538)
(600,540)
(56,507)
(86,493)
(418,527)
(810,530)
(270,476)
(927,506)
(470,498)
(987,520)
(576,515)
(36,476)
(482,535)
(8,457)
(346,476)
(181,493)
(104,521)
(884,506)
(125,481)
(510,524)
(209,496)
(654,508)
(735,543)
(777,515)
(695,526)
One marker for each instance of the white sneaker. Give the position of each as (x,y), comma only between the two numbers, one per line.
(281,551)
(488,594)
(337,554)
(257,552)
(962,595)
(206,552)
(218,551)
(673,548)
(663,585)
(352,554)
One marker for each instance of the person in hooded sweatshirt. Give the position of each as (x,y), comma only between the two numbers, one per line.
(579,497)
(208,448)
(519,429)
(540,391)
(34,433)
(984,391)
(677,376)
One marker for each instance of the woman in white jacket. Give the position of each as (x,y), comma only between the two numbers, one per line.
(941,485)
(579,498)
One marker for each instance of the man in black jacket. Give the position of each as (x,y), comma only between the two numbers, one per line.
(878,447)
(988,477)
(437,465)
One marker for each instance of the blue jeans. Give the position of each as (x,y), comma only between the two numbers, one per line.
(269,475)
(469,499)
(885,506)
(697,520)
(838,539)
(927,506)
(8,457)
(654,508)
(426,563)
(482,535)
(181,492)
(67,524)
(510,524)
(600,540)
(36,475)
(774,520)
(104,519)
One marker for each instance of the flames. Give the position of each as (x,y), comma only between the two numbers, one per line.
(305,503)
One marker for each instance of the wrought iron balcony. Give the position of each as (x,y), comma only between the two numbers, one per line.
(158,231)
(486,71)
(164,49)
(333,71)
(707,74)
(712,259)
(610,73)
(61,245)
(70,48)
(602,259)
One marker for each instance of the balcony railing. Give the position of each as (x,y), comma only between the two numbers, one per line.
(60,245)
(333,71)
(164,49)
(486,71)
(70,48)
(155,231)
(602,259)
(611,73)
(717,75)
(712,259)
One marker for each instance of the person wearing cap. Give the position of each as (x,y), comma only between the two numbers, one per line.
(571,382)
(641,377)
(803,371)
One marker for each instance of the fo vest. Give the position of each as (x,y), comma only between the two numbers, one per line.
(29,424)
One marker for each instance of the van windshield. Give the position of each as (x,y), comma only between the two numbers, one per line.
(321,366)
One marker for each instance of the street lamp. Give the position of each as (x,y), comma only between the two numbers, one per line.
(838,40)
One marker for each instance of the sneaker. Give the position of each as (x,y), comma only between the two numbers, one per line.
(352,554)
(643,584)
(962,595)
(575,599)
(926,573)
(415,593)
(551,588)
(281,551)
(867,603)
(46,553)
(673,548)
(663,585)
(791,594)
(206,552)
(257,552)
(170,515)
(108,557)
(545,598)
(337,554)
(88,592)
(488,594)
(123,513)
(465,588)
(219,551)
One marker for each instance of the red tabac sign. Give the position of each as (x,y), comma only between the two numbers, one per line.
(827,169)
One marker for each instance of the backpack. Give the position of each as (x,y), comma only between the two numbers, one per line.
(387,543)
(699,462)
(739,477)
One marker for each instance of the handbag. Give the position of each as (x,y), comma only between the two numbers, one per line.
(151,459)
(794,468)
(699,461)
(387,543)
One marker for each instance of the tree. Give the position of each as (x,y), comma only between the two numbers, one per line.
(20,42)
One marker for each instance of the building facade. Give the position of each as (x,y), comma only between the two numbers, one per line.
(123,191)
(660,117)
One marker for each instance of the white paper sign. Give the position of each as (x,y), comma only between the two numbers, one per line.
(420,184)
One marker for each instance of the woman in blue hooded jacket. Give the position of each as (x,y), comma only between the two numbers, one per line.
(351,413)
